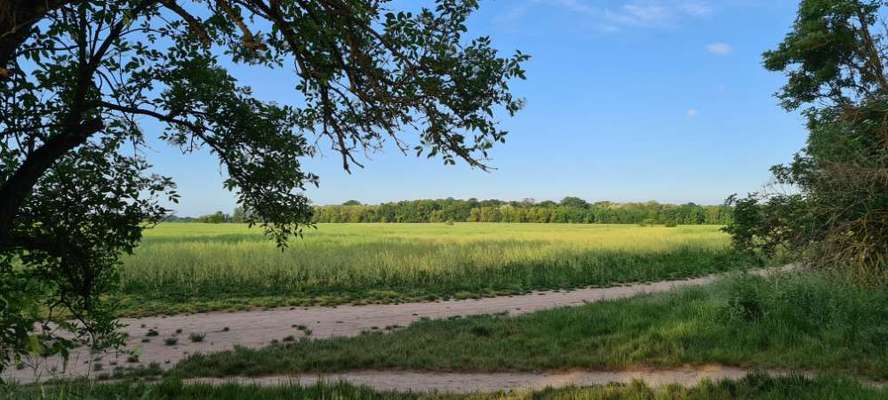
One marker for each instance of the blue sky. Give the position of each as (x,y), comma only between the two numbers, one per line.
(627,100)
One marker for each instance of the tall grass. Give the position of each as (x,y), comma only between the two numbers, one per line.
(228,265)
(753,387)
(797,321)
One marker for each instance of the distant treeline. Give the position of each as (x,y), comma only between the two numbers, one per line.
(569,210)
(218,217)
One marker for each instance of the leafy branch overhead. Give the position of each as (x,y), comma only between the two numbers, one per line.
(78,79)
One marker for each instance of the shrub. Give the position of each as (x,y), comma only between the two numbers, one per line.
(197,337)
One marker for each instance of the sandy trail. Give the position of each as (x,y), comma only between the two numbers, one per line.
(255,329)
(449,382)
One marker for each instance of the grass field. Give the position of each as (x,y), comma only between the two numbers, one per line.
(753,387)
(797,321)
(199,267)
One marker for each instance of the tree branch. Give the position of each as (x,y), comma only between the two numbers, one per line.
(192,22)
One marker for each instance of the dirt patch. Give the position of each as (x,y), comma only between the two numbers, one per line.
(167,340)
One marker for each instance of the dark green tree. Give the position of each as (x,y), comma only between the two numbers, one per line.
(239,215)
(573,202)
(78,76)
(834,213)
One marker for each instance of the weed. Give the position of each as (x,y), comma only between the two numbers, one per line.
(197,337)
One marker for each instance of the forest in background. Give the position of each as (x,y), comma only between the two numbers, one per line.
(569,210)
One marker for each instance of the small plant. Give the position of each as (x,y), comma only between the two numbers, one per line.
(197,337)
(132,359)
(146,340)
(178,331)
(289,338)
(480,330)
(307,332)
(226,329)
(170,341)
(152,332)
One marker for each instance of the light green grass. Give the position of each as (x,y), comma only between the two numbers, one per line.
(198,267)
(794,321)
(753,387)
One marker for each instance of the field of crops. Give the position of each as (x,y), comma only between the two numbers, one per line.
(197,267)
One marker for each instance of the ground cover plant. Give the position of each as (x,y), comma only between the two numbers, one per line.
(797,321)
(752,387)
(193,267)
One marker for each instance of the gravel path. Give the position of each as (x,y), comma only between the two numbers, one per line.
(224,330)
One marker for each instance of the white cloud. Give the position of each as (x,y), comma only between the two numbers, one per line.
(574,5)
(633,13)
(692,113)
(511,20)
(698,9)
(642,15)
(719,48)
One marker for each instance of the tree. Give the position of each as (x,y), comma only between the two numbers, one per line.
(240,215)
(573,202)
(78,76)
(217,217)
(836,213)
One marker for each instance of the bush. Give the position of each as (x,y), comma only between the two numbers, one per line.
(803,303)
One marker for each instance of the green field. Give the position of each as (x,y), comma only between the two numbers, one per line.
(199,267)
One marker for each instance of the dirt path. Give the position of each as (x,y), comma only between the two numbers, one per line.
(448,382)
(224,330)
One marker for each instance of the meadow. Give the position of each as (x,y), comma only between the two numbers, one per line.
(191,267)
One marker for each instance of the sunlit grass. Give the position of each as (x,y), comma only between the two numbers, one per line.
(187,267)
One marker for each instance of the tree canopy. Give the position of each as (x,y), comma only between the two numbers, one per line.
(78,78)
(834,211)
(571,210)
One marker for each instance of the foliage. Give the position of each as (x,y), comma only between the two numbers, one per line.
(803,321)
(78,76)
(570,210)
(192,267)
(836,213)
(749,388)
